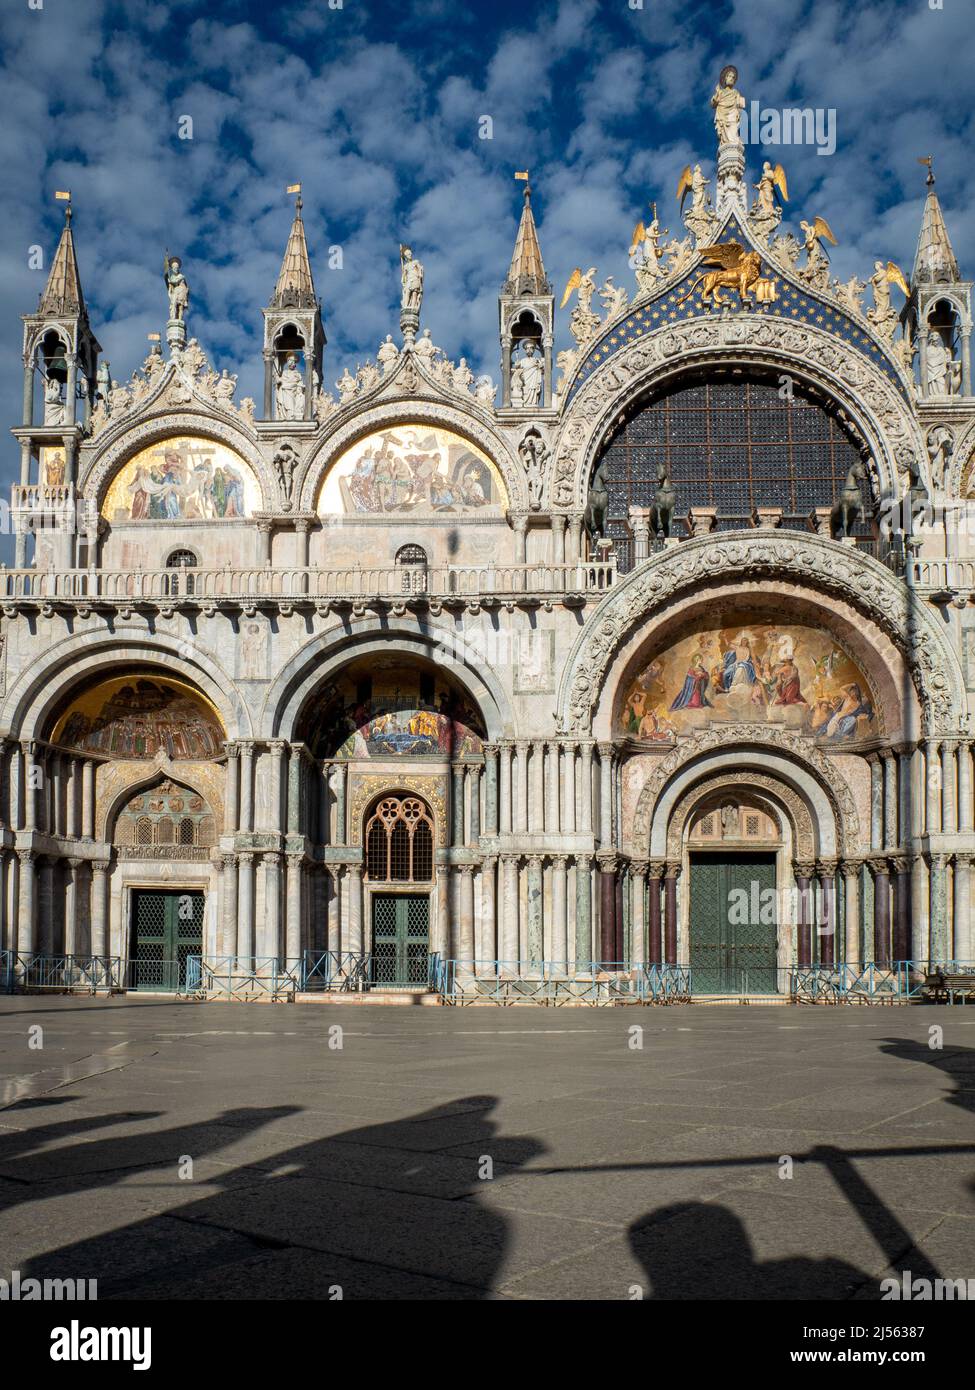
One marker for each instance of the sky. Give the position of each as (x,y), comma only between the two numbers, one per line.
(377,109)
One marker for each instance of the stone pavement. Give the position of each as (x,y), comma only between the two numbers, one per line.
(613,1170)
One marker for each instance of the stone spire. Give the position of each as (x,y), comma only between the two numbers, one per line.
(295,288)
(527,273)
(934,261)
(62,293)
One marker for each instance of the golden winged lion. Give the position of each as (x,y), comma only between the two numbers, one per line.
(738,270)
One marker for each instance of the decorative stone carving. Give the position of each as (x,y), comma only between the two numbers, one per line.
(534,455)
(284,462)
(803,830)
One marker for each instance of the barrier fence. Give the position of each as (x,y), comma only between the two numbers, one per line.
(462,982)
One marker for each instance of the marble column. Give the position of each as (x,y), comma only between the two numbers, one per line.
(949,797)
(900,867)
(474,810)
(467,952)
(335,873)
(536,940)
(324,803)
(560,912)
(606,795)
(292,936)
(933,788)
(47,944)
(87,800)
(72,908)
(890,801)
(15,774)
(227,944)
(558,538)
(245,901)
(341,830)
(232,802)
(521,777)
(583,941)
(655,950)
(881,912)
(274,820)
(569,788)
(356,943)
(457,804)
(506,789)
(826,919)
(851,893)
(270,934)
(638,887)
(536,811)
(585,787)
(920,916)
(876,802)
(803,876)
(509,927)
(607,911)
(100,934)
(965,788)
(490,789)
(963,946)
(246,785)
(488,948)
(670,913)
(939,908)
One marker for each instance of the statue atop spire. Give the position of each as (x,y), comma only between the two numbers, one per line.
(728,104)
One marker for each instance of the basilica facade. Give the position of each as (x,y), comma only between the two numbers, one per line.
(658,654)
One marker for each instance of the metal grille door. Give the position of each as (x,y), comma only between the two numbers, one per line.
(400,938)
(166,928)
(733,923)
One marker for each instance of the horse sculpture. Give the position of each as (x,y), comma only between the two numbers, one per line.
(849,507)
(664,498)
(597,505)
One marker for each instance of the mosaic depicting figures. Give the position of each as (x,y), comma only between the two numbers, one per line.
(184,479)
(391,711)
(752,672)
(138,717)
(413,469)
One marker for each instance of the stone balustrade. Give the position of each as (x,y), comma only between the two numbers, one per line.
(943,576)
(397,584)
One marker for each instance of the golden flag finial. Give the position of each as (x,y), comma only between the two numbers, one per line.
(927,159)
(293,188)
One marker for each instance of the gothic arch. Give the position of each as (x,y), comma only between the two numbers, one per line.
(822,567)
(311,473)
(116,795)
(325,654)
(46,684)
(786,801)
(811,355)
(804,773)
(133,435)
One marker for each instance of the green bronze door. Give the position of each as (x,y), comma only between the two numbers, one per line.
(733,921)
(400,938)
(166,928)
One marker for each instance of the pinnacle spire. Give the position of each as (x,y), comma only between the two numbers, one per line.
(934,260)
(62,293)
(295,288)
(527,273)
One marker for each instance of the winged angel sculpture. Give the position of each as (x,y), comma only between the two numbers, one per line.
(738,269)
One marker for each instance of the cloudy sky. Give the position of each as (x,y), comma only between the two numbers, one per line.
(376,106)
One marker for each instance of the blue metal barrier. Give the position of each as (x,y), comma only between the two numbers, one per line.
(509,982)
(6,972)
(335,971)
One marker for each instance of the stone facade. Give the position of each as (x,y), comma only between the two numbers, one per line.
(560,834)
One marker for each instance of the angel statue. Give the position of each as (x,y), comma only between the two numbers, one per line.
(814,233)
(766,186)
(614,298)
(728,104)
(582,322)
(176,287)
(694,182)
(883,315)
(645,253)
(411,278)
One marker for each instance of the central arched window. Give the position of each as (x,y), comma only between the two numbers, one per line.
(399,841)
(412,560)
(181,560)
(732,440)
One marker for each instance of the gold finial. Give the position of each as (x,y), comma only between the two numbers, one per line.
(928,159)
(523,175)
(63,196)
(295,188)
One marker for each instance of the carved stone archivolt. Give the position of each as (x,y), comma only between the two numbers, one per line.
(364,789)
(803,830)
(826,567)
(389,412)
(810,354)
(99,467)
(801,750)
(117,782)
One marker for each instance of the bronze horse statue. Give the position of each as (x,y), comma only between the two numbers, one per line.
(664,499)
(597,505)
(849,506)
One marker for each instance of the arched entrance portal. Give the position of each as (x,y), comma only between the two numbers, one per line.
(399,840)
(735,847)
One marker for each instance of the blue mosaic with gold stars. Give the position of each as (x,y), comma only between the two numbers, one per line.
(793,304)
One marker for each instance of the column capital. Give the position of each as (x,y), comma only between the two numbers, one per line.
(245,746)
(803,870)
(850,866)
(899,864)
(962,859)
(231,748)
(672,869)
(608,861)
(656,868)
(559,861)
(640,867)
(277,746)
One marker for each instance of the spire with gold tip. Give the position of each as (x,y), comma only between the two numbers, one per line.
(934,260)
(62,293)
(295,288)
(527,273)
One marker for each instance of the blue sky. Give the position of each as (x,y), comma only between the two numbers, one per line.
(375,108)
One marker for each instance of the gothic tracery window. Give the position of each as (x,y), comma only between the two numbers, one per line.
(399,841)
